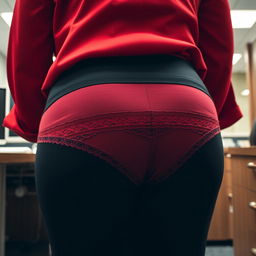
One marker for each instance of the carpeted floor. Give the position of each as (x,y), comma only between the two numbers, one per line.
(219,251)
(41,249)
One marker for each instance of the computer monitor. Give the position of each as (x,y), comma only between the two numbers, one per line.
(11,136)
(2,114)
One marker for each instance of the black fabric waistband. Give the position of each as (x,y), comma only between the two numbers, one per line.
(164,69)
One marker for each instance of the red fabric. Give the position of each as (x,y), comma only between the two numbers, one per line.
(140,129)
(76,30)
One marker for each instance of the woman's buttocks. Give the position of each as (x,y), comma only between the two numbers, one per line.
(105,99)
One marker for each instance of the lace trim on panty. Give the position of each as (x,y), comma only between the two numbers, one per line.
(75,133)
(89,149)
(204,139)
(146,124)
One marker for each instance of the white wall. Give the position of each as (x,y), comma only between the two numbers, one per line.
(242,126)
(3,76)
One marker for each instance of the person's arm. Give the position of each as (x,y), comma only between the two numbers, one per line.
(29,57)
(217,46)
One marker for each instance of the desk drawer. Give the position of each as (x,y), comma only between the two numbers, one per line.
(252,243)
(251,202)
(244,172)
(251,174)
(239,170)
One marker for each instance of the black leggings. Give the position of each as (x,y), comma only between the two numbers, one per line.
(91,209)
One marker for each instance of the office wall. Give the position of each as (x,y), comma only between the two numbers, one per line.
(241,127)
(3,78)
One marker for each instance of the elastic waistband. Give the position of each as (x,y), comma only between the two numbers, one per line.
(165,69)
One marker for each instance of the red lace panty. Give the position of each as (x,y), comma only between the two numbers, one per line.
(145,153)
(147,131)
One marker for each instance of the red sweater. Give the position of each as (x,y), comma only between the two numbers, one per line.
(75,30)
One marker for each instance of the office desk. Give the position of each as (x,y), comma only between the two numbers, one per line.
(5,159)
